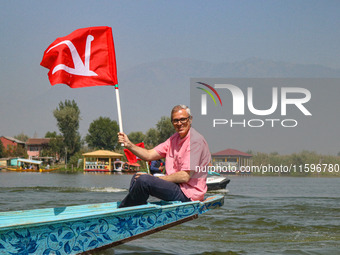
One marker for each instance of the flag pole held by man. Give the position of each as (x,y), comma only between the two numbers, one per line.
(183,152)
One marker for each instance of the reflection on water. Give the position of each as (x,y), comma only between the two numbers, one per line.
(261,215)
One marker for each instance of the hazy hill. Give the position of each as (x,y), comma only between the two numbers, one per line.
(148,91)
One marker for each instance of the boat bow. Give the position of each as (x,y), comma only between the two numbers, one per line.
(84,228)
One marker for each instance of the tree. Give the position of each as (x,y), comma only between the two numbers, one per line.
(136,137)
(22,137)
(75,161)
(103,134)
(2,150)
(68,116)
(165,129)
(51,134)
(16,151)
(55,146)
(151,137)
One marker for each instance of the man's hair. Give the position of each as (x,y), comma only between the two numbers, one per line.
(180,107)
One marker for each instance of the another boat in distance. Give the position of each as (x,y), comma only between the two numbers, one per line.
(28,165)
(215,181)
(103,161)
(116,166)
(86,228)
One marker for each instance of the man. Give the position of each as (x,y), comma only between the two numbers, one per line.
(184,152)
(157,167)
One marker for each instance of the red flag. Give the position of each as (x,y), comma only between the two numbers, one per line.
(84,58)
(132,157)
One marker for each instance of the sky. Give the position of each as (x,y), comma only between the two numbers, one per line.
(294,31)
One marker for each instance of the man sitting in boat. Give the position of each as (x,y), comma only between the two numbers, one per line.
(183,152)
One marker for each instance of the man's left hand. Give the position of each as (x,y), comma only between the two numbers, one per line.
(139,174)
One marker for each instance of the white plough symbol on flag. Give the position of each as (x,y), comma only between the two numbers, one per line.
(80,68)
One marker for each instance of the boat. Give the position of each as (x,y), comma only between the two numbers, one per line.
(104,166)
(86,228)
(216,182)
(131,167)
(29,165)
(103,161)
(118,165)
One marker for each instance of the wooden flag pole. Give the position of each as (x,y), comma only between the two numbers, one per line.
(120,122)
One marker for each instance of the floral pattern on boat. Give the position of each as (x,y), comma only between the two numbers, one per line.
(73,237)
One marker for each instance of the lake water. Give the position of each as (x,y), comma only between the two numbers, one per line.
(261,215)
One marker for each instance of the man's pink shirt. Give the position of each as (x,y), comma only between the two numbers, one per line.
(190,153)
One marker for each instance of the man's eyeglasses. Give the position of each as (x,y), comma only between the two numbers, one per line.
(182,120)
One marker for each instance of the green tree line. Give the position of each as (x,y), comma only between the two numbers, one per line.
(102,134)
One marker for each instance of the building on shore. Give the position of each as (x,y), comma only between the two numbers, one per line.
(36,145)
(11,143)
(232,159)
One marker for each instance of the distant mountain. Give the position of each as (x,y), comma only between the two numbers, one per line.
(153,88)
(148,91)
(259,68)
(169,79)
(253,67)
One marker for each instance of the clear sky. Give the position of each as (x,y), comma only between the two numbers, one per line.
(299,31)
(294,31)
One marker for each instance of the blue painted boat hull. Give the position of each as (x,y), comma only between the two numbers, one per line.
(79,229)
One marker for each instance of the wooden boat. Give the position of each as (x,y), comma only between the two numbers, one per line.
(102,161)
(129,167)
(31,166)
(85,228)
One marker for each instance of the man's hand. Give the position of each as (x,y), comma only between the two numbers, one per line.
(147,155)
(139,174)
(178,177)
(123,139)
